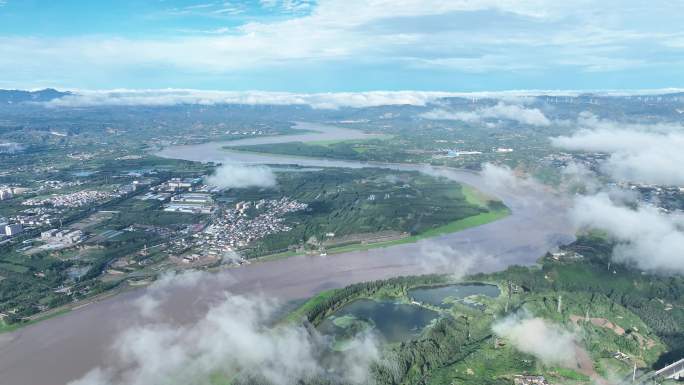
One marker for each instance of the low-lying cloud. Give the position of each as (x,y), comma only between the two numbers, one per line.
(577,177)
(646,238)
(235,338)
(503,177)
(159,292)
(437,258)
(242,176)
(637,152)
(328,100)
(505,111)
(167,97)
(548,342)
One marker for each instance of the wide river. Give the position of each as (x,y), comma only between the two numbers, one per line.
(64,348)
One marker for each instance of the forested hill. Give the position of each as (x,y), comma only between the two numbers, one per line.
(656,299)
(20,96)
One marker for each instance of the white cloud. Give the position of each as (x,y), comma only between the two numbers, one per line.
(164,97)
(646,153)
(241,176)
(499,176)
(554,34)
(235,336)
(437,258)
(328,100)
(645,237)
(514,112)
(502,177)
(159,292)
(550,343)
(577,177)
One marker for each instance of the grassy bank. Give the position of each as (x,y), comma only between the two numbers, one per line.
(6,328)
(455,226)
(452,227)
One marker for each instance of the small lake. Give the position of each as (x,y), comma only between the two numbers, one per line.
(62,349)
(395,322)
(445,296)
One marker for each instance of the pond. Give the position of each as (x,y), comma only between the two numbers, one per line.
(445,296)
(394,322)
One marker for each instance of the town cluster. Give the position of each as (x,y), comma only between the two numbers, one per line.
(247,222)
(75,199)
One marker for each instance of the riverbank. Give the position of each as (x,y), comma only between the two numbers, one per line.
(64,348)
(453,227)
(495,211)
(67,308)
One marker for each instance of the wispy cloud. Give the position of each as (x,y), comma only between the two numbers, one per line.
(500,111)
(241,176)
(291,6)
(403,35)
(214,31)
(646,153)
(646,238)
(84,98)
(548,342)
(328,100)
(215,8)
(235,338)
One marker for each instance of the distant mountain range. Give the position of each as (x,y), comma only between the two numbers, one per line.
(19,96)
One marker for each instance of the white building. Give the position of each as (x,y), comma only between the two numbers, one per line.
(62,236)
(193,198)
(5,194)
(13,229)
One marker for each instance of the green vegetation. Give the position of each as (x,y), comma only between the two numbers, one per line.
(310,306)
(462,224)
(35,280)
(131,238)
(362,150)
(495,211)
(616,310)
(12,326)
(365,208)
(458,225)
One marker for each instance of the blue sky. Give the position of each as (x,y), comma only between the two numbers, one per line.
(342,45)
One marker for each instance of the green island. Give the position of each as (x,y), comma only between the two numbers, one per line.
(375,149)
(620,317)
(367,208)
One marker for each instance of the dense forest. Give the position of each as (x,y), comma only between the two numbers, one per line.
(464,338)
(362,201)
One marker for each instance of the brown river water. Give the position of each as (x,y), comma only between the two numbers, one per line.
(61,349)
